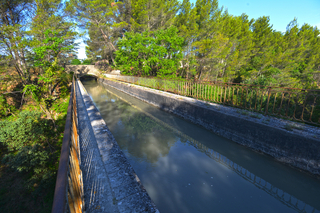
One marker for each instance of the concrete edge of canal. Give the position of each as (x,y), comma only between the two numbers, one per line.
(128,192)
(298,150)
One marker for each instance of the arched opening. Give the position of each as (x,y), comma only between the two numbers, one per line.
(88,77)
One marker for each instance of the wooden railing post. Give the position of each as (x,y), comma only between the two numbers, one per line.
(269,93)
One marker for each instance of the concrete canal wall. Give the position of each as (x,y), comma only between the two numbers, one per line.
(110,183)
(295,144)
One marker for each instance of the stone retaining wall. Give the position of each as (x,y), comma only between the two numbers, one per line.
(299,150)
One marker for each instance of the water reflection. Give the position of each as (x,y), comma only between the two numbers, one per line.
(140,136)
(182,174)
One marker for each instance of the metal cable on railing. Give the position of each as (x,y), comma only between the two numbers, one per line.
(291,103)
(68,195)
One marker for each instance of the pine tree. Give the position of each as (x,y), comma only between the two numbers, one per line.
(98,15)
(15,17)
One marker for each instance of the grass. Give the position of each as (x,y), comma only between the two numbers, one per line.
(244,113)
(255,116)
(114,201)
(290,127)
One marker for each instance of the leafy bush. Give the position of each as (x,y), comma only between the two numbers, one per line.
(27,130)
(61,106)
(87,62)
(28,140)
(32,159)
(75,62)
(5,108)
(151,53)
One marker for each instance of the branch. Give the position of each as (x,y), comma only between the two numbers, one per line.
(11,92)
(54,87)
(22,99)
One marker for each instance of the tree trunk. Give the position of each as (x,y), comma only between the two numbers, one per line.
(49,116)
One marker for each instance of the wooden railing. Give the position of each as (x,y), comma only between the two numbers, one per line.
(68,195)
(291,103)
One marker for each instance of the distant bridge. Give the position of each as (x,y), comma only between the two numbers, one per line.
(81,70)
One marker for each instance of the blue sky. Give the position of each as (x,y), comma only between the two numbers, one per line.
(281,12)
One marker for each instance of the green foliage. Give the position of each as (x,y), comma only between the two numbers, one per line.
(36,39)
(52,45)
(87,62)
(75,62)
(61,106)
(28,140)
(33,147)
(30,159)
(41,91)
(5,108)
(150,53)
(216,45)
(27,130)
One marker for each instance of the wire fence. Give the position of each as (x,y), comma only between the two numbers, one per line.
(69,195)
(290,103)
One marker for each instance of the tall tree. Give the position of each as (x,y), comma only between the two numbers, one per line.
(152,14)
(209,42)
(15,17)
(99,16)
(239,47)
(150,53)
(50,15)
(25,34)
(262,37)
(186,21)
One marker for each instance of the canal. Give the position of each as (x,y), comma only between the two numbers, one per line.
(186,168)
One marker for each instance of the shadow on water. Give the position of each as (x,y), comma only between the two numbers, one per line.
(186,168)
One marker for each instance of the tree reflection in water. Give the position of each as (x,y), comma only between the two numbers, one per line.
(144,138)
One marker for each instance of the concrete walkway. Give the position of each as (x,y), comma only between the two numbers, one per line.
(110,183)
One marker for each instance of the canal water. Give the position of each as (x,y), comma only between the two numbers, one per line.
(186,168)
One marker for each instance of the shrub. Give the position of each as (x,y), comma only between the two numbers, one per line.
(75,62)
(27,139)
(5,108)
(27,130)
(87,62)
